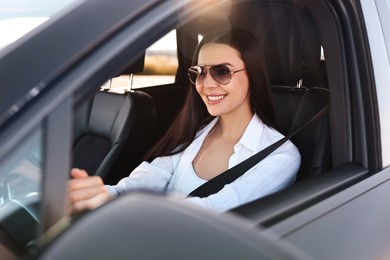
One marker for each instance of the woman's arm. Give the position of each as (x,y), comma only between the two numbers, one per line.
(89,192)
(147,176)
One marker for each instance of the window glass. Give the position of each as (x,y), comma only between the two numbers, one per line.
(20,177)
(160,63)
(160,67)
(17,18)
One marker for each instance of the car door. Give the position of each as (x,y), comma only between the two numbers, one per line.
(66,64)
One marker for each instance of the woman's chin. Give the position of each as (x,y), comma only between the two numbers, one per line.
(213,112)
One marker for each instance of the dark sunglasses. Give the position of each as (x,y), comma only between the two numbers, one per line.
(220,73)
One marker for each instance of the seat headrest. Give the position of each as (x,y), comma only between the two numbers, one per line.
(289,39)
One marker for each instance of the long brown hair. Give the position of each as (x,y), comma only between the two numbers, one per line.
(194,116)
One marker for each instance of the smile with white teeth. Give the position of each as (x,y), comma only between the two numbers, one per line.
(215,98)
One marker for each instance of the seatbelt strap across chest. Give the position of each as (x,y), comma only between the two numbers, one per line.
(217,183)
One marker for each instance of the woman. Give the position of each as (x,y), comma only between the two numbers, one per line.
(227,117)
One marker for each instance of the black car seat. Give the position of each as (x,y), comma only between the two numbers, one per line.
(112,132)
(294,107)
(292,53)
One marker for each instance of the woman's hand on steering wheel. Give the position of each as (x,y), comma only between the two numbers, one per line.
(85,192)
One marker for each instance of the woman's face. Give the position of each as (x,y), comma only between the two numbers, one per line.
(229,99)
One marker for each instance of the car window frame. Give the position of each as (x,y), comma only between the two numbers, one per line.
(53,107)
(378,32)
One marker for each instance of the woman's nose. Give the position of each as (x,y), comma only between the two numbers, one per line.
(209,81)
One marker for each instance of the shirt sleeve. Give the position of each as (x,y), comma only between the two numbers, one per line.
(274,173)
(153,176)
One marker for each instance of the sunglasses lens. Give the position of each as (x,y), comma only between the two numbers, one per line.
(221,74)
(197,74)
(192,75)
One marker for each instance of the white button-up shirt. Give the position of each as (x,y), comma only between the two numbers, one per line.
(176,174)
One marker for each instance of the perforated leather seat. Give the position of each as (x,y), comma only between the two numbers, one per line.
(112,133)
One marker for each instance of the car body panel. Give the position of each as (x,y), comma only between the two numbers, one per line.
(167,219)
(352,224)
(378,29)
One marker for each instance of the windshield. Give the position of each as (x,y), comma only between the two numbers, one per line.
(17,18)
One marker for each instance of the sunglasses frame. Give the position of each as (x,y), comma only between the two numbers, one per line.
(200,68)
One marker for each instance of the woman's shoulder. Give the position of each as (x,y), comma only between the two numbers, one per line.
(267,132)
(270,135)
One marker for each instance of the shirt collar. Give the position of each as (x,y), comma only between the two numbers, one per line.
(252,134)
(251,137)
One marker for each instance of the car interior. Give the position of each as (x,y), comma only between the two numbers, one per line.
(295,42)
(299,87)
(297,72)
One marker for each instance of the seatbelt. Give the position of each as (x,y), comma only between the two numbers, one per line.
(217,183)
